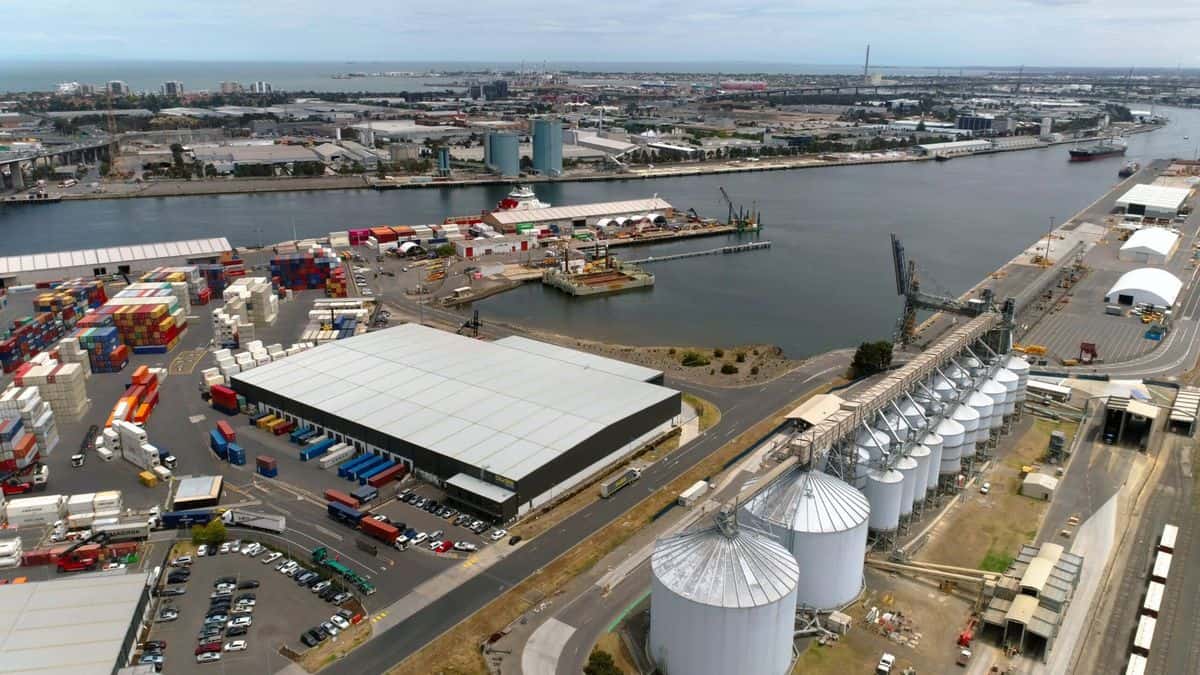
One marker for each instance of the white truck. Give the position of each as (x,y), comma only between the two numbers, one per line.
(610,486)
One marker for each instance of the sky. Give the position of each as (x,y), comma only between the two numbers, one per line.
(1110,33)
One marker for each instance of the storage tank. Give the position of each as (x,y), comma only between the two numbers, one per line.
(1009,380)
(944,388)
(968,417)
(823,522)
(863,465)
(893,422)
(885,490)
(982,405)
(934,443)
(723,600)
(958,375)
(874,443)
(1020,368)
(953,435)
(921,455)
(913,414)
(998,393)
(930,403)
(907,466)
(973,366)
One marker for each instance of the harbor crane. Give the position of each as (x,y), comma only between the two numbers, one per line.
(908,286)
(744,219)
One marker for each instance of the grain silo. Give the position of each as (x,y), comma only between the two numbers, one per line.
(922,455)
(968,417)
(1020,368)
(723,600)
(885,490)
(934,442)
(1011,382)
(999,395)
(823,522)
(953,437)
(907,466)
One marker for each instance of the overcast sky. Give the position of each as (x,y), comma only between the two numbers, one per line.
(908,32)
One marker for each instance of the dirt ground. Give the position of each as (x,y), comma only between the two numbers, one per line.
(986,531)
(926,641)
(611,643)
(761,363)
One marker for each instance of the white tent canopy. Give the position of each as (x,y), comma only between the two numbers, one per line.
(1147,284)
(1149,244)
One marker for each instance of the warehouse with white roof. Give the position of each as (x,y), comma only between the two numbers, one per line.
(1154,245)
(581,215)
(1153,201)
(93,262)
(1145,285)
(502,426)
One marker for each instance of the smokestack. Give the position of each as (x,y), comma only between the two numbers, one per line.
(867,64)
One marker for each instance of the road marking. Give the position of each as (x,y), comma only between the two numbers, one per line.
(625,612)
(328,532)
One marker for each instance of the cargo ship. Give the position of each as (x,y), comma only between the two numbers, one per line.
(1129,169)
(1109,148)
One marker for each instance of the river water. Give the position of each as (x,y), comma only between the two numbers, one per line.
(825,283)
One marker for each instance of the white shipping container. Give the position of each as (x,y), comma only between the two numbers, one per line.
(162,472)
(79,521)
(43,504)
(10,546)
(107,514)
(80,503)
(109,499)
(29,519)
(10,561)
(337,454)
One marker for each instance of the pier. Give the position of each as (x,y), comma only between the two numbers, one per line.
(724,250)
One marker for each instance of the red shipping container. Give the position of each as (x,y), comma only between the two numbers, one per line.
(265,462)
(341,497)
(383,477)
(226,430)
(380,530)
(34,558)
(121,549)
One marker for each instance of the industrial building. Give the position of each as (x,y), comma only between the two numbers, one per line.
(953,148)
(1145,285)
(197,492)
(501,427)
(1153,201)
(34,267)
(987,123)
(569,218)
(226,158)
(723,600)
(502,153)
(1032,597)
(79,625)
(547,147)
(1153,245)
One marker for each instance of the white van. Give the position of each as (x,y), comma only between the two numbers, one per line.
(105,454)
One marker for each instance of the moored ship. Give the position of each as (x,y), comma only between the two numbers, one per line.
(1109,148)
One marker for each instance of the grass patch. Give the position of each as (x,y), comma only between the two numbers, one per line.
(456,652)
(613,644)
(709,413)
(326,653)
(996,561)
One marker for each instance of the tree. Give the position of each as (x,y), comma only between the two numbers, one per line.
(601,663)
(212,533)
(871,358)
(445,250)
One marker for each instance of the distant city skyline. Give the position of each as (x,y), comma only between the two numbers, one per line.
(930,33)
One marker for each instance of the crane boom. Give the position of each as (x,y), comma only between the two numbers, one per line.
(908,285)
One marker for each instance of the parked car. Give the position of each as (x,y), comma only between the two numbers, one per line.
(421,537)
(248,583)
(182,561)
(330,628)
(466,547)
(235,631)
(321,585)
(514,540)
(165,615)
(241,621)
(225,547)
(339,622)
(499,534)
(444,546)
(985,488)
(309,640)
(201,550)
(208,647)
(272,557)
(235,646)
(159,645)
(341,597)
(886,662)
(208,657)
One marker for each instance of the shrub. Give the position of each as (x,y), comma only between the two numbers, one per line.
(741,357)
(694,358)
(718,352)
(754,370)
(671,351)
(728,369)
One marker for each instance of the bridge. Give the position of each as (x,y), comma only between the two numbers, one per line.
(14,164)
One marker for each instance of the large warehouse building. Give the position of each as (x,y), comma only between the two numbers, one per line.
(76,625)
(502,426)
(31,268)
(1153,201)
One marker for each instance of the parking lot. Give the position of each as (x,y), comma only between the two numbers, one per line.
(283,610)
(422,521)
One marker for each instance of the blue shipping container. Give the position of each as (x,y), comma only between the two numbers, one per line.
(357,471)
(349,465)
(344,514)
(364,476)
(269,473)
(174,519)
(300,433)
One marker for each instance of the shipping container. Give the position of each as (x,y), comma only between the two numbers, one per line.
(269,522)
(345,469)
(610,486)
(337,453)
(379,530)
(341,497)
(396,472)
(299,434)
(178,519)
(344,514)
(373,462)
(364,476)
(226,430)
(364,494)
(1166,543)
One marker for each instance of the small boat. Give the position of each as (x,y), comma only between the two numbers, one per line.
(1129,169)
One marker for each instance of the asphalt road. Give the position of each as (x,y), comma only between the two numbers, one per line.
(740,410)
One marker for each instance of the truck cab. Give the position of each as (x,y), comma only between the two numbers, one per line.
(77,460)
(41,477)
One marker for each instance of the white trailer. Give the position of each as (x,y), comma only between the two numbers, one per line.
(125,530)
(1166,543)
(336,455)
(1162,567)
(693,494)
(269,522)
(1144,637)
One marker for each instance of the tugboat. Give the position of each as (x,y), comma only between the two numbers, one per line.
(1129,169)
(1110,148)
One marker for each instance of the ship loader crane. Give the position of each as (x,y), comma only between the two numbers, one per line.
(908,286)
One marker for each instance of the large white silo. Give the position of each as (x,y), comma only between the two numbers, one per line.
(945,388)
(823,522)
(1011,382)
(1019,367)
(875,442)
(953,435)
(922,455)
(968,417)
(999,394)
(934,442)
(913,413)
(723,600)
(885,490)
(907,466)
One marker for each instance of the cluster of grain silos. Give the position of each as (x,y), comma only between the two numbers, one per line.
(724,598)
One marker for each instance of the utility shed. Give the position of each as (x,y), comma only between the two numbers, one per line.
(77,625)
(1153,245)
(815,410)
(1145,285)
(1153,201)
(1039,486)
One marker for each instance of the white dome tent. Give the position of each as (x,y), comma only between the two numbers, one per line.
(1145,285)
